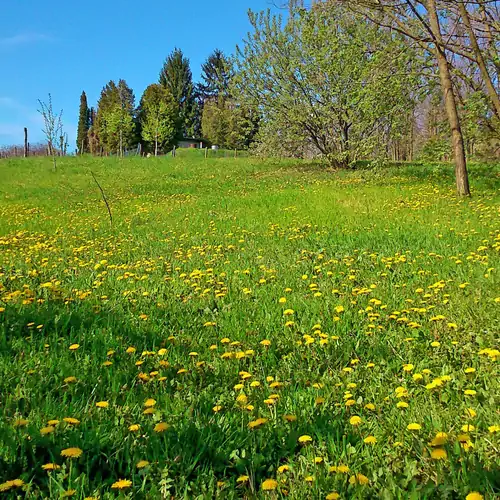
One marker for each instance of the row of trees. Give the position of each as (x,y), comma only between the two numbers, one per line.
(172,109)
(344,80)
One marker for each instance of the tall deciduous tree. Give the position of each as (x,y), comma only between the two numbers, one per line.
(158,115)
(177,78)
(327,81)
(83,125)
(115,119)
(421,21)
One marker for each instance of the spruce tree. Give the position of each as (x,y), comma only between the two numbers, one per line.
(177,78)
(83,126)
(216,73)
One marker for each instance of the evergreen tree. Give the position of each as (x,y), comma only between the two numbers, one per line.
(216,73)
(83,125)
(177,78)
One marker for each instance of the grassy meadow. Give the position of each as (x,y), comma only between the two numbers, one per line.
(247,329)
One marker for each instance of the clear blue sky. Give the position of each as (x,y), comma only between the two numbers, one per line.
(65,46)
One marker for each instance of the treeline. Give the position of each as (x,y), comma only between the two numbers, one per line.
(170,110)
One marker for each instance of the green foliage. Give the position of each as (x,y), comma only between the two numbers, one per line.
(82,141)
(216,73)
(391,289)
(228,124)
(158,117)
(328,78)
(115,118)
(177,78)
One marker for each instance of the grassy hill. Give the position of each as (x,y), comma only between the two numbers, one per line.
(247,329)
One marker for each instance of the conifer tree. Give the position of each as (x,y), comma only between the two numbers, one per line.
(177,78)
(83,125)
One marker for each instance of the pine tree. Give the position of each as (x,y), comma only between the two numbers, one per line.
(176,76)
(83,125)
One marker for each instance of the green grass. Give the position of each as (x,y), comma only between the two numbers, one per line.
(382,270)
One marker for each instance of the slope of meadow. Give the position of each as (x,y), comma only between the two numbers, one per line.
(247,329)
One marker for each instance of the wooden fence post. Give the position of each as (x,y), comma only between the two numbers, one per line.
(25,142)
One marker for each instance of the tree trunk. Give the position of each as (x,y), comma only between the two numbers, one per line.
(156,146)
(480,60)
(461,175)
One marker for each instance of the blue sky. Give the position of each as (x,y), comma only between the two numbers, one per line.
(64,47)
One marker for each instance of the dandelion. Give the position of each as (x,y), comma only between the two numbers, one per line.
(269,485)
(290,418)
(134,427)
(332,496)
(141,464)
(21,422)
(161,427)
(149,403)
(71,452)
(359,479)
(74,347)
(71,420)
(474,495)
(440,439)
(439,454)
(493,429)
(370,440)
(69,380)
(121,484)
(265,342)
(355,420)
(257,423)
(414,427)
(50,467)
(305,439)
(47,430)
(242,479)
(102,404)
(470,392)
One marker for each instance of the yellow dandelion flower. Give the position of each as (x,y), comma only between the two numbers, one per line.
(305,439)
(149,403)
(242,479)
(74,347)
(141,464)
(51,466)
(493,429)
(370,440)
(257,423)
(71,452)
(71,420)
(102,404)
(439,454)
(217,409)
(161,427)
(121,484)
(283,468)
(269,485)
(290,418)
(332,496)
(474,495)
(134,427)
(359,479)
(355,420)
(69,380)
(414,427)
(47,430)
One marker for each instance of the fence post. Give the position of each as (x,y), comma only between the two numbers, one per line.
(25,142)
